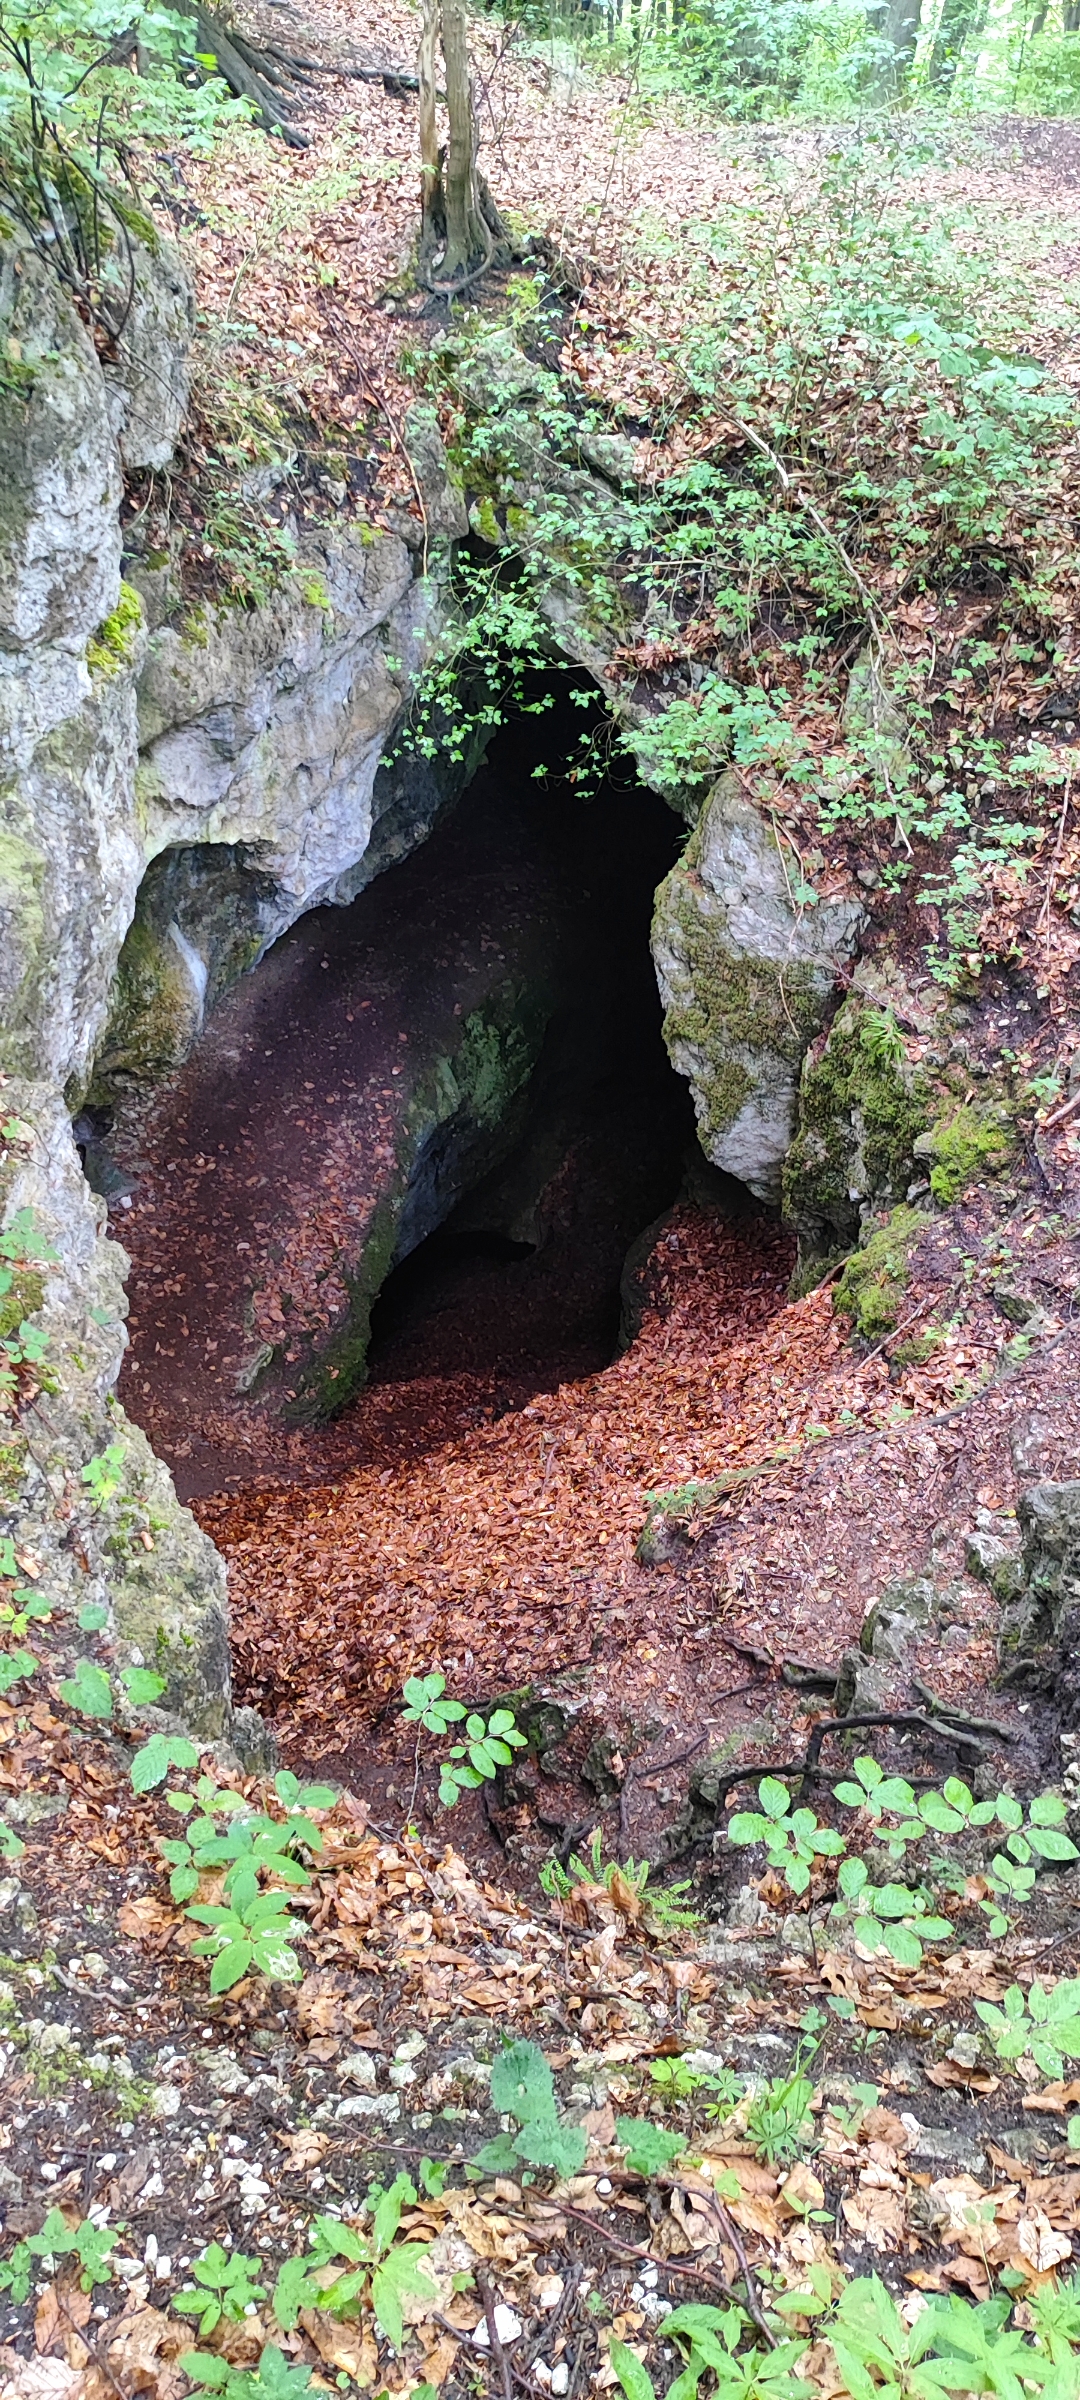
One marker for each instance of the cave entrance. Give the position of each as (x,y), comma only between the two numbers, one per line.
(413,1146)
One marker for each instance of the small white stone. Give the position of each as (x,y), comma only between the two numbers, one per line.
(542,2373)
(150,2253)
(650,2277)
(507,2326)
(560,2380)
(604,2186)
(358,2067)
(107,2161)
(48,2172)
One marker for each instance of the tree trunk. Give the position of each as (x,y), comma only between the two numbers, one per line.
(954,26)
(467,238)
(432,200)
(896,24)
(460,226)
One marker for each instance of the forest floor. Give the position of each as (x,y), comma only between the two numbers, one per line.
(502,1548)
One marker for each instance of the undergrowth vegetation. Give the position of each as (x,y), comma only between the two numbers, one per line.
(837,563)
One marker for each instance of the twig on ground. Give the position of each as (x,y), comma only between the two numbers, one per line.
(667,2266)
(483,2285)
(753,2296)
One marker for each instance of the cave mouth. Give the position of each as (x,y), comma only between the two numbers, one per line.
(521,923)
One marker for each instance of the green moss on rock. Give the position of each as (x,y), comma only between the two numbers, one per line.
(728,1002)
(872,1286)
(862,1110)
(23,1299)
(111,647)
(153,1011)
(964,1148)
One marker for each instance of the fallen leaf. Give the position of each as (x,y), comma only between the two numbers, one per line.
(1040,2244)
(801,2189)
(48,2322)
(147,1919)
(349,2349)
(38,2378)
(950,2076)
(304,2149)
(878,2216)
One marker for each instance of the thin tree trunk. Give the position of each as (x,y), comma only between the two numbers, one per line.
(467,238)
(953,28)
(432,200)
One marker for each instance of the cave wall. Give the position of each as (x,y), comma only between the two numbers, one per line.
(241,748)
(179,783)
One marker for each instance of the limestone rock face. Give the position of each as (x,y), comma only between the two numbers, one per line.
(166,1602)
(746,980)
(148,381)
(59,468)
(70,860)
(265,726)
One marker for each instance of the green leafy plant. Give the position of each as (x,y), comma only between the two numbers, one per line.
(90,2244)
(16,1616)
(224,2284)
(896,1917)
(953,1811)
(23,1252)
(255,1933)
(666,1904)
(102,1475)
(778,2121)
(163,1751)
(272,2379)
(708,2339)
(88,1690)
(649,2148)
(489,1744)
(1045,2027)
(343,2265)
(793,1837)
(522,2087)
(69,110)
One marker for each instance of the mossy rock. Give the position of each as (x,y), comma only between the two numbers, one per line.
(872,1286)
(862,1110)
(23,1299)
(114,644)
(964,1148)
(154,1012)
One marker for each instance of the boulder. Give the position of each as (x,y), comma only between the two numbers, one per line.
(746,979)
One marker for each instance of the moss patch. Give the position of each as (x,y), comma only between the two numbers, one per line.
(23,1299)
(112,645)
(861,1111)
(964,1148)
(872,1286)
(153,1011)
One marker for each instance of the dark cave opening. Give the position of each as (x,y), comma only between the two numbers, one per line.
(523,922)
